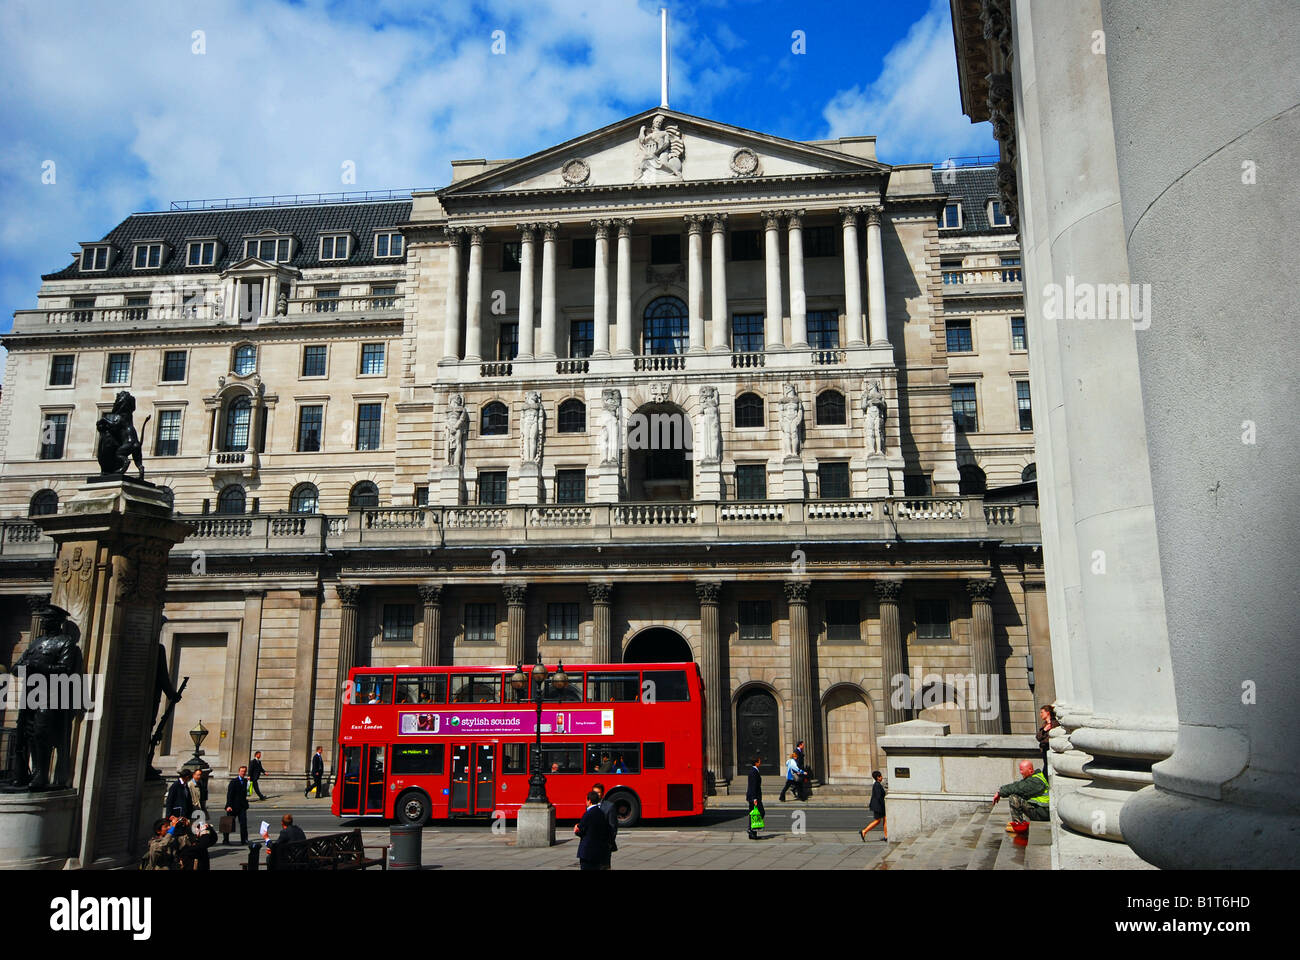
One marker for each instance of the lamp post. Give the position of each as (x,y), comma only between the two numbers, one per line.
(536,823)
(198,735)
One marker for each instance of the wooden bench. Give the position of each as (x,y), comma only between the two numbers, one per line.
(330,851)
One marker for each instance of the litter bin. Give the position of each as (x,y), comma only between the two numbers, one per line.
(404,852)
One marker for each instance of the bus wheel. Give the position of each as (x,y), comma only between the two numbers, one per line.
(626,807)
(413,807)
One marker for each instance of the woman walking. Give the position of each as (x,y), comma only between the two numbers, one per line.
(877,807)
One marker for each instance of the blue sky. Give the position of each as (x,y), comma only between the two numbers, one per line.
(129,108)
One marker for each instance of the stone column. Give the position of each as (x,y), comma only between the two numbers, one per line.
(548,321)
(602,639)
(876,322)
(805,708)
(304,679)
(451,329)
(983,656)
(695,280)
(852,277)
(892,669)
(35,602)
(719,312)
(600,294)
(474,298)
(527,232)
(623,316)
(431,596)
(798,300)
(715,691)
(349,597)
(773,325)
(516,600)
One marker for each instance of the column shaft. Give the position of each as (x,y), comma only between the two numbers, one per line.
(348,599)
(773,325)
(804,708)
(431,595)
(624,308)
(852,276)
(602,639)
(516,598)
(600,294)
(798,301)
(526,251)
(982,655)
(548,322)
(715,692)
(474,298)
(891,648)
(719,313)
(876,282)
(451,328)
(695,281)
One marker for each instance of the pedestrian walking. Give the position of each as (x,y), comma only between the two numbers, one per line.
(877,807)
(180,801)
(237,806)
(316,772)
(754,795)
(793,771)
(804,789)
(593,829)
(607,808)
(255,772)
(1047,722)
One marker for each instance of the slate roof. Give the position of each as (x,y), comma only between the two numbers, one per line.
(305,223)
(973,188)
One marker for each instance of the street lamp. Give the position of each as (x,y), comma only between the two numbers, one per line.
(559,681)
(198,734)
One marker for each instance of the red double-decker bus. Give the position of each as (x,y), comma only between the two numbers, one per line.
(421,743)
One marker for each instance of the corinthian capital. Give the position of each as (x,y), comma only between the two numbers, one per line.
(981,589)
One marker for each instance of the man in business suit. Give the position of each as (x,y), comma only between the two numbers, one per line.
(288,831)
(593,828)
(180,802)
(237,805)
(754,794)
(607,808)
(317,771)
(255,772)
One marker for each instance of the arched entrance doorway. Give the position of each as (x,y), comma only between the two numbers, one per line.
(850,736)
(758,732)
(658,453)
(658,645)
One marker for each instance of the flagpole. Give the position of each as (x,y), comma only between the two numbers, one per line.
(663,56)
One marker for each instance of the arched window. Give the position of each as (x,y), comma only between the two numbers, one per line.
(830,408)
(665,327)
(495,420)
(245,359)
(45,503)
(1029,474)
(749,410)
(573,417)
(305,498)
(364,494)
(972,481)
(231,500)
(239,415)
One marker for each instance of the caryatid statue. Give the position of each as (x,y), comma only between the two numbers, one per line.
(611,427)
(532,428)
(457,428)
(874,410)
(791,409)
(710,426)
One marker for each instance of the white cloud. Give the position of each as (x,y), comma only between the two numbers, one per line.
(914,106)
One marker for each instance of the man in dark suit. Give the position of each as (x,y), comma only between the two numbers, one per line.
(593,828)
(180,802)
(288,831)
(317,771)
(754,794)
(607,808)
(804,789)
(237,805)
(255,772)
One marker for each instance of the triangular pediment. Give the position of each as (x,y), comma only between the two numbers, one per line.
(256,266)
(661,146)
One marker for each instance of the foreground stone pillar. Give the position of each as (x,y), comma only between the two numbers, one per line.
(516,600)
(431,596)
(602,638)
(891,649)
(983,656)
(804,706)
(715,692)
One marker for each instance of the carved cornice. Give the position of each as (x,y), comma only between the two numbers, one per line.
(348,594)
(601,593)
(430,593)
(708,591)
(888,591)
(981,589)
(796,591)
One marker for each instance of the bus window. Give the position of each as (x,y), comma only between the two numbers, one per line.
(375,689)
(561,758)
(428,688)
(476,688)
(418,758)
(668,686)
(514,758)
(615,758)
(613,687)
(572,692)
(653,755)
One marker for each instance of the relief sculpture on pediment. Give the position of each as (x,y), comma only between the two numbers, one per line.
(661,152)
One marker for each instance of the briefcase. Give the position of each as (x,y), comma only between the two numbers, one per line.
(226,825)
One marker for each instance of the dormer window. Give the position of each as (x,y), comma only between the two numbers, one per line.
(272,249)
(334,246)
(94,257)
(202,253)
(148,256)
(951,219)
(998,218)
(388,245)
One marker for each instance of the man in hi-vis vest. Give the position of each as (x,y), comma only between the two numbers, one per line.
(1027,796)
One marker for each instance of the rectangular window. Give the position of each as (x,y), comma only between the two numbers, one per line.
(996,217)
(83,311)
(833,481)
(823,329)
(475,688)
(202,253)
(581,334)
(584,253)
(652,756)
(334,247)
(374,689)
(369,418)
(417,759)
(963,407)
(313,359)
(959,336)
(372,359)
(916,485)
(492,487)
(620,687)
(746,245)
(94,258)
(952,272)
(562,622)
(61,367)
(665,686)
(480,622)
(747,333)
(399,623)
(1019,339)
(819,242)
(148,256)
(422,688)
(383,297)
(751,481)
(560,758)
(422,495)
(54,431)
(1010,269)
(842,623)
(388,245)
(613,758)
(310,421)
(951,217)
(119,368)
(754,617)
(137,309)
(570,486)
(1023,406)
(508,341)
(327,300)
(167,442)
(932,620)
(511,252)
(666,249)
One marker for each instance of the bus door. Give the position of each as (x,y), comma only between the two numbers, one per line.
(473,779)
(364,780)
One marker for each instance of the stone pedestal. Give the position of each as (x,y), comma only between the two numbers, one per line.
(710,482)
(870,477)
(607,483)
(450,486)
(789,474)
(36,829)
(526,483)
(536,825)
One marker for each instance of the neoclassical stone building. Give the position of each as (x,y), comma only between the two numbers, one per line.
(669,390)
